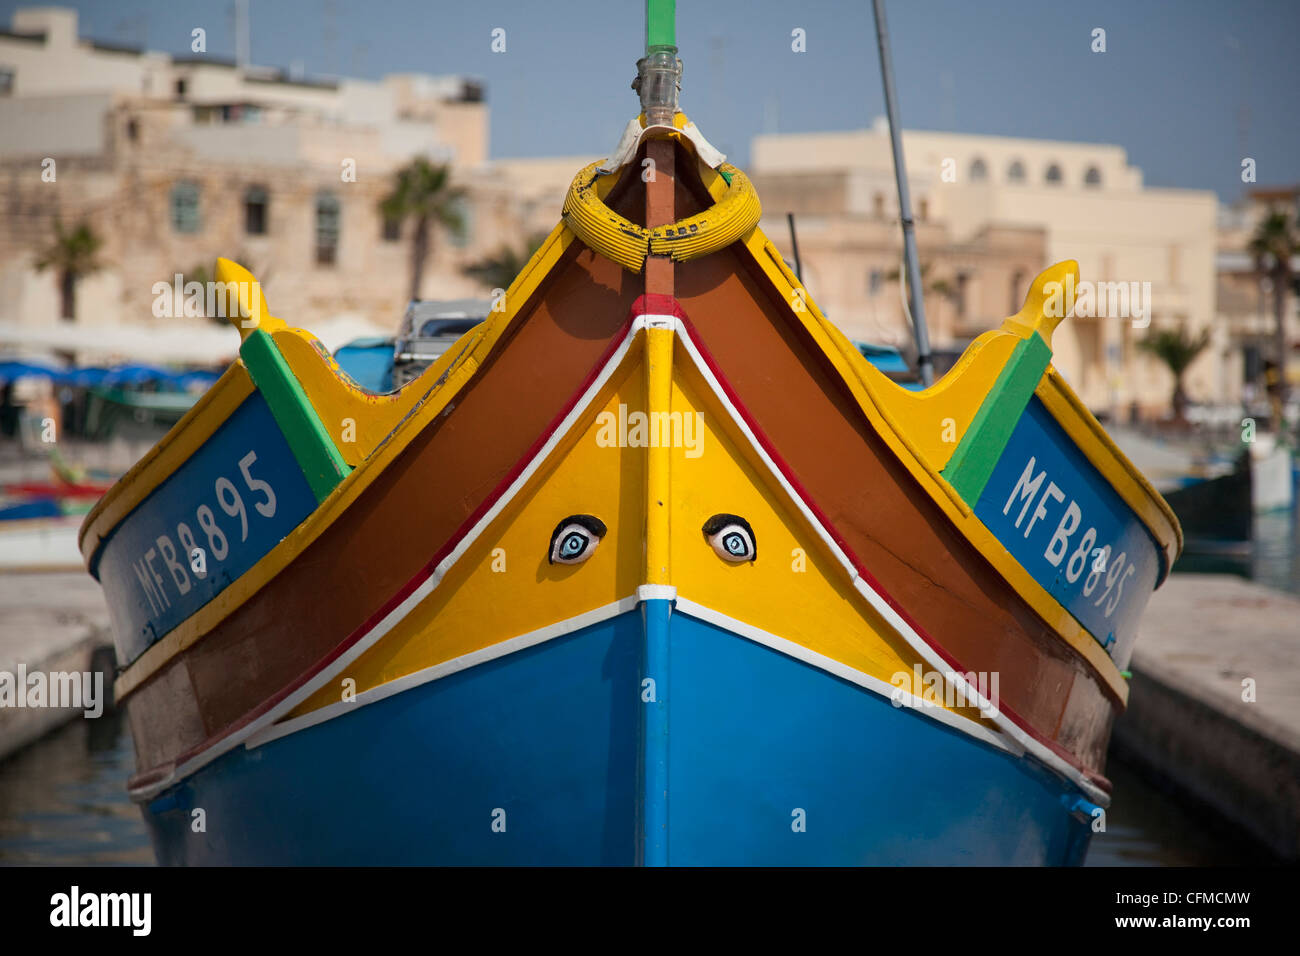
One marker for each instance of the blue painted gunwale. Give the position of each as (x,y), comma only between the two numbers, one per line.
(559,737)
(1040,439)
(140,615)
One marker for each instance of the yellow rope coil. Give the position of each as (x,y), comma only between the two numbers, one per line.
(604,230)
(717,227)
(623,241)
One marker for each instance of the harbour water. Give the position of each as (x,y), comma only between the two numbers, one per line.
(63,799)
(1273,562)
(1146,826)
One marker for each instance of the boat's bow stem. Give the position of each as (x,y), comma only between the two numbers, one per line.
(657,83)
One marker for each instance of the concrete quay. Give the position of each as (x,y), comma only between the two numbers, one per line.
(50,622)
(1214,707)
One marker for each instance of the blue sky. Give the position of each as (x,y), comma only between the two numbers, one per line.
(1173,87)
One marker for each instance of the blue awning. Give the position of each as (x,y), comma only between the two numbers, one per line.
(89,377)
(884,357)
(11,371)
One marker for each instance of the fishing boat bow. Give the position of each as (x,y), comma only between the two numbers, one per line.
(650,567)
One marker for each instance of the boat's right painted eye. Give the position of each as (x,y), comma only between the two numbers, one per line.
(731,538)
(575,538)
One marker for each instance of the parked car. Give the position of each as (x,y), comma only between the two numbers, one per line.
(429,328)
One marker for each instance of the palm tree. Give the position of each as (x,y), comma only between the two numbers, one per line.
(72,255)
(498,270)
(423,192)
(1274,244)
(1177,350)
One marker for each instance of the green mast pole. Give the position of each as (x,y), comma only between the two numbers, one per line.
(659,72)
(660,26)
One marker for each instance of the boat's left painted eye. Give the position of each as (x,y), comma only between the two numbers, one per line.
(731,537)
(575,538)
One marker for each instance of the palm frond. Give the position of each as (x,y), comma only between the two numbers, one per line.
(1275,243)
(1175,347)
(74,251)
(499,270)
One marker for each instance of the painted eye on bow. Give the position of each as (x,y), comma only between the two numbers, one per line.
(732,538)
(575,538)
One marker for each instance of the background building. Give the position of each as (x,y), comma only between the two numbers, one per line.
(1246,299)
(175,161)
(991,212)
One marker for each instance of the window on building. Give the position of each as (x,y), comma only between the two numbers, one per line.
(979,171)
(923,210)
(1092,177)
(460,238)
(1253,359)
(327,229)
(182,86)
(875,279)
(1017,291)
(391,229)
(133,130)
(1053,175)
(6,82)
(878,205)
(256,201)
(1016,172)
(185,207)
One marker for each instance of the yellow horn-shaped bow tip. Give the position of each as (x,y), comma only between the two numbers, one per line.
(1050,299)
(244,292)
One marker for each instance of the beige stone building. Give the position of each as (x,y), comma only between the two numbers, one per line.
(992,211)
(174,161)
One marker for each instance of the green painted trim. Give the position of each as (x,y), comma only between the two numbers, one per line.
(971,465)
(660,25)
(311,444)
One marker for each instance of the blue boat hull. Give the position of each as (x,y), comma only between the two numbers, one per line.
(564,753)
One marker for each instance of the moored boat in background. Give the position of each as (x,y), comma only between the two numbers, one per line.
(1215,513)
